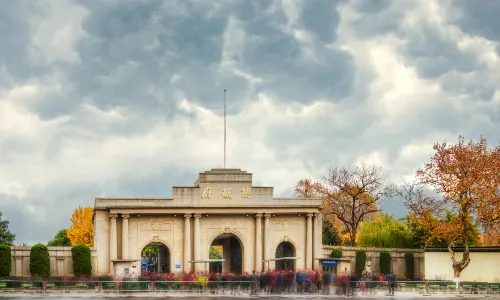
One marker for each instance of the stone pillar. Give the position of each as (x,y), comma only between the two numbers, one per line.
(113,247)
(187,242)
(258,242)
(267,239)
(125,239)
(196,242)
(316,241)
(309,241)
(19,265)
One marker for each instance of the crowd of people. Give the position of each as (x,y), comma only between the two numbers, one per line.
(279,281)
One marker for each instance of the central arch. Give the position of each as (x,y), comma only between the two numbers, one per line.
(155,257)
(230,248)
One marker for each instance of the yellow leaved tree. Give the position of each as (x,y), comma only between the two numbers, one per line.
(82,229)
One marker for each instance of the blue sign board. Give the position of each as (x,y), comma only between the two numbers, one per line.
(329,262)
(177,266)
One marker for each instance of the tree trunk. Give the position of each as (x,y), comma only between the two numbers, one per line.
(459,266)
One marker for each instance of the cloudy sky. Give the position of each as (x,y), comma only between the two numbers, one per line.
(124,98)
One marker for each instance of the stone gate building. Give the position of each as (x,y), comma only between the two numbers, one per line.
(256,231)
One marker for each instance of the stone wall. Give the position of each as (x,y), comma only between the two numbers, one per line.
(61,262)
(373,255)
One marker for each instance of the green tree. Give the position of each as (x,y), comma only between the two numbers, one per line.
(336,253)
(360,262)
(384,232)
(330,234)
(39,260)
(82,261)
(6,237)
(61,239)
(150,253)
(410,265)
(5,260)
(385,262)
(214,254)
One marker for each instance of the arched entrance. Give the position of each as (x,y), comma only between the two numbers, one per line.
(285,249)
(155,257)
(228,247)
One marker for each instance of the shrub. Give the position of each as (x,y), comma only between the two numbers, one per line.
(385,262)
(39,260)
(82,261)
(360,262)
(336,253)
(410,265)
(5,260)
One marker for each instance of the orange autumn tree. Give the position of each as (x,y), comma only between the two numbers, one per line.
(308,188)
(467,178)
(353,194)
(82,229)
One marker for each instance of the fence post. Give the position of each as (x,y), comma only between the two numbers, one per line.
(44,286)
(153,286)
(99,286)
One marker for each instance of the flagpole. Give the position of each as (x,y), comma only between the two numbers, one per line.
(224,129)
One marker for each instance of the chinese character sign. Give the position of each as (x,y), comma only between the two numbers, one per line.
(207,193)
(226,193)
(246,192)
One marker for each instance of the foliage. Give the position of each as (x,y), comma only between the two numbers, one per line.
(384,232)
(214,253)
(307,188)
(492,237)
(352,194)
(336,253)
(385,262)
(467,178)
(61,239)
(82,260)
(360,261)
(150,253)
(330,235)
(6,237)
(82,229)
(410,265)
(39,260)
(5,260)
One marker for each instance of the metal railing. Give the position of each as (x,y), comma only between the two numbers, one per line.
(248,287)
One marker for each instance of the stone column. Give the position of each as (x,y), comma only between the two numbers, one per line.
(187,242)
(113,247)
(196,241)
(125,239)
(309,242)
(19,265)
(258,242)
(316,241)
(267,239)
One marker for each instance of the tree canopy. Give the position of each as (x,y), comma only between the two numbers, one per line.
(82,228)
(466,176)
(6,236)
(353,193)
(384,232)
(61,239)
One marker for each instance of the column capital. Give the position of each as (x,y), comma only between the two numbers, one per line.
(267,216)
(125,216)
(113,216)
(197,216)
(309,216)
(187,216)
(258,216)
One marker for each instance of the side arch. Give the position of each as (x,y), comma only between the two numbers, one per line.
(285,246)
(164,243)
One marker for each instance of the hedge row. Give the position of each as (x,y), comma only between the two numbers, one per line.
(40,260)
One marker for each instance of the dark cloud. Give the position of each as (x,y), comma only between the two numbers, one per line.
(478,19)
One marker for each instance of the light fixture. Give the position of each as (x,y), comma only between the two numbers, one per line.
(138,215)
